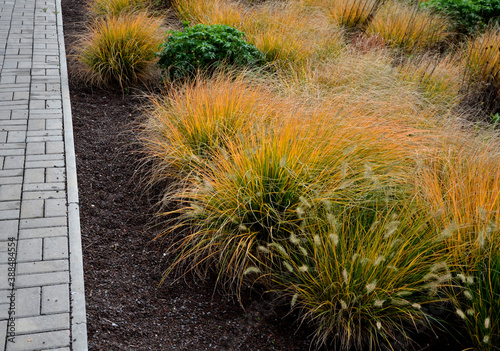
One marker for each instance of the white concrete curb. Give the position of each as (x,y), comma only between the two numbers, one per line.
(78,314)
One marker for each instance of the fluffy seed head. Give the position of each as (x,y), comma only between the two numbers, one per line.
(288,266)
(460,313)
(334,238)
(250,270)
(370,287)
(468,294)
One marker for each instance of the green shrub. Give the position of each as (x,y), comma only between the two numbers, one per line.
(469,15)
(205,47)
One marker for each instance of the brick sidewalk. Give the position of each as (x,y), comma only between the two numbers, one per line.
(42,303)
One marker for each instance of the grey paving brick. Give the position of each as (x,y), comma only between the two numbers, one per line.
(54,123)
(9,192)
(34,175)
(8,229)
(35,148)
(8,151)
(54,103)
(54,147)
(42,267)
(31,302)
(13,162)
(40,341)
(20,95)
(23,79)
(36,104)
(55,248)
(10,180)
(9,214)
(32,195)
(10,205)
(40,232)
(13,127)
(40,133)
(32,208)
(4,311)
(16,137)
(40,279)
(55,207)
(42,222)
(3,331)
(29,250)
(44,186)
(32,139)
(6,271)
(55,175)
(36,124)
(20,113)
(42,323)
(55,299)
(51,157)
(44,164)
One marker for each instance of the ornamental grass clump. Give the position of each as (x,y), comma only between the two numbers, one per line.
(120,51)
(363,284)
(257,189)
(407,27)
(351,13)
(462,185)
(191,124)
(205,48)
(477,294)
(248,195)
(482,62)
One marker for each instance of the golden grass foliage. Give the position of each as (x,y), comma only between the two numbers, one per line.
(362,281)
(191,124)
(351,13)
(482,60)
(116,7)
(209,12)
(120,50)
(462,185)
(440,78)
(285,33)
(408,27)
(343,180)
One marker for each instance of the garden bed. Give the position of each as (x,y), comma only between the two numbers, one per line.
(126,309)
(343,229)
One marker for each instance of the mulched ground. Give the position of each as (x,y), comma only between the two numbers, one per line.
(126,307)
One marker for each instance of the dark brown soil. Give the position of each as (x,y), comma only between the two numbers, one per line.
(126,309)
